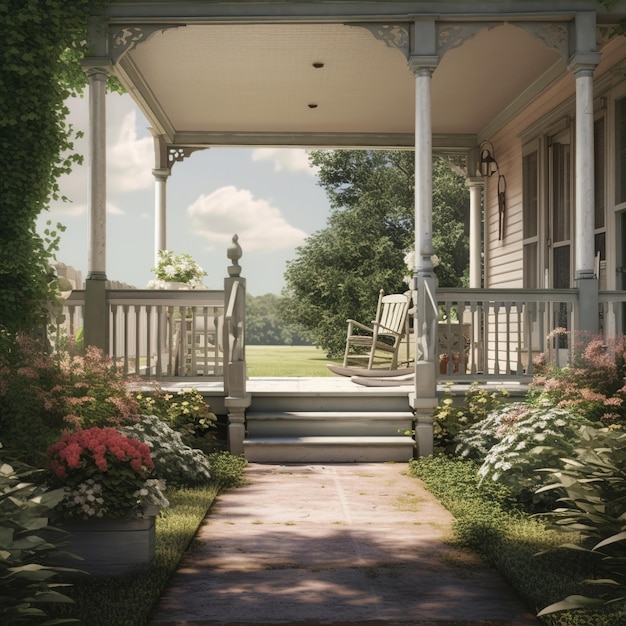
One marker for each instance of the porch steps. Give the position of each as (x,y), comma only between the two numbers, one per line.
(328,426)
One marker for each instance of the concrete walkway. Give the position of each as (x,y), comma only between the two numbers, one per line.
(333,544)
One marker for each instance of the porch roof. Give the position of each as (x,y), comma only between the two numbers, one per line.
(244,73)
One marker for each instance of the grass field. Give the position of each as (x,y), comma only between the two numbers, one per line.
(292,361)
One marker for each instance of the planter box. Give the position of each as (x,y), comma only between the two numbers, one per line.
(111,547)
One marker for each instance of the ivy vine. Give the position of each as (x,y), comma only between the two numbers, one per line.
(41,44)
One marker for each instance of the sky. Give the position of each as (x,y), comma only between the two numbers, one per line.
(270,198)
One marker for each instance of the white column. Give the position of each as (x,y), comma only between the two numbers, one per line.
(97,172)
(424,399)
(585,192)
(475,229)
(160,210)
(582,64)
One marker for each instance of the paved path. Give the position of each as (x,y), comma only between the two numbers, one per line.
(333,544)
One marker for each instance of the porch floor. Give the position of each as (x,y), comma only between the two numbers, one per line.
(333,385)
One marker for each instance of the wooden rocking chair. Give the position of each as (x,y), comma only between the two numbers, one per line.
(379,343)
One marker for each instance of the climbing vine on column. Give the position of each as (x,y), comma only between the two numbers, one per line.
(41,44)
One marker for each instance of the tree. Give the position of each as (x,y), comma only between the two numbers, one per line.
(265,324)
(340,269)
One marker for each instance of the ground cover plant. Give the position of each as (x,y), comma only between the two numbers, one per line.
(490,521)
(538,487)
(107,456)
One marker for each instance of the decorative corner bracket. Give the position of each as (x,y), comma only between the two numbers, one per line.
(125,38)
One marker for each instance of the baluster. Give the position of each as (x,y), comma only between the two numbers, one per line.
(113,341)
(474,337)
(507,345)
(519,307)
(496,362)
(137,330)
(126,338)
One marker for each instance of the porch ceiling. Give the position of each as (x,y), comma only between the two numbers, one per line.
(254,84)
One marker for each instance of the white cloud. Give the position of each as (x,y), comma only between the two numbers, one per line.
(130,159)
(229,210)
(285,159)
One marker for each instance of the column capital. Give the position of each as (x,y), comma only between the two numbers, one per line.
(420,64)
(475,181)
(161,173)
(97,66)
(584,63)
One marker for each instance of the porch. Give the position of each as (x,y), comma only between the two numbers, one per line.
(197,339)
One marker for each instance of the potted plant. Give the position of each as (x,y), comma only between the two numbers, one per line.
(110,498)
(176,271)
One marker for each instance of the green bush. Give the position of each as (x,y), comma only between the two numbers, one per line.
(592,485)
(173,460)
(449,419)
(186,411)
(488,520)
(227,469)
(27,580)
(518,440)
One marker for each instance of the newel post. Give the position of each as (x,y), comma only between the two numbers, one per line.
(237,399)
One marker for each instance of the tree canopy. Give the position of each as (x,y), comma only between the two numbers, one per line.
(340,269)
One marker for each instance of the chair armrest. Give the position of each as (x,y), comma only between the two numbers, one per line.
(359,325)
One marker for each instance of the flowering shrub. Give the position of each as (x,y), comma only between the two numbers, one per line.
(173,459)
(179,268)
(185,411)
(40,394)
(519,439)
(92,391)
(593,384)
(103,472)
(449,419)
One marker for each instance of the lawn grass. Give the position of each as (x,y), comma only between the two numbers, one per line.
(288,361)
(129,600)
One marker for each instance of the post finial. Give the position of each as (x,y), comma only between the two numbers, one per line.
(234,252)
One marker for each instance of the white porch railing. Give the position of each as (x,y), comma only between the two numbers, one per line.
(496,333)
(162,334)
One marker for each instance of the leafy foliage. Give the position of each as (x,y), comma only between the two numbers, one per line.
(488,520)
(38,39)
(227,470)
(27,580)
(340,270)
(517,440)
(592,485)
(185,411)
(173,460)
(266,324)
(449,419)
(40,394)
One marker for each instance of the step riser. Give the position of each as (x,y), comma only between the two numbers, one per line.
(288,453)
(329,403)
(334,426)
